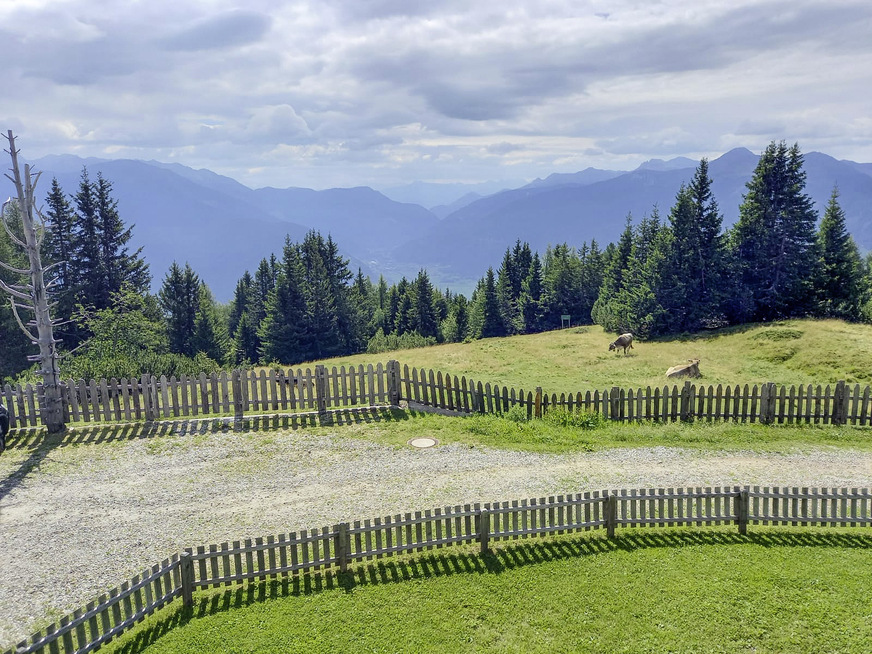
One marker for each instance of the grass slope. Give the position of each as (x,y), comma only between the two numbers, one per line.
(577,359)
(643,592)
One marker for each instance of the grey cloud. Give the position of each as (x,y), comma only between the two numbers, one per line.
(218,32)
(502,148)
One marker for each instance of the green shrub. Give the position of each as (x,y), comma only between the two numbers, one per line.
(516,413)
(561,417)
(382,342)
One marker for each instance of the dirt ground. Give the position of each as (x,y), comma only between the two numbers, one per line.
(80,516)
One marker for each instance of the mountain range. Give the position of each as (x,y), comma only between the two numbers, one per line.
(223,228)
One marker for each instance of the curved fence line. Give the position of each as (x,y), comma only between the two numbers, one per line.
(338,546)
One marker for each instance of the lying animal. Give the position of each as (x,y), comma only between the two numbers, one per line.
(689,369)
(624,340)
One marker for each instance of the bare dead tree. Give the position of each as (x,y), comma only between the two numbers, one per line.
(32,295)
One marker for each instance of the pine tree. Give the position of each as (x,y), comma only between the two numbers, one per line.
(839,287)
(210,333)
(616,262)
(59,250)
(425,321)
(491,321)
(91,291)
(241,301)
(283,330)
(118,265)
(323,337)
(775,239)
(179,299)
(530,303)
(695,275)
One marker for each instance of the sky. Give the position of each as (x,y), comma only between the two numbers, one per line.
(340,93)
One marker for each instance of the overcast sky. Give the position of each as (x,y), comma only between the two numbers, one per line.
(382,92)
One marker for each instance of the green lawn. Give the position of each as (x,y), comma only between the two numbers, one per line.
(646,591)
(578,359)
(552,434)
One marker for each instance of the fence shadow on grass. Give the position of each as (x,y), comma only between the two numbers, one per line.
(508,556)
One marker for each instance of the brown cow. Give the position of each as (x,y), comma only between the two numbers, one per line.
(624,340)
(689,369)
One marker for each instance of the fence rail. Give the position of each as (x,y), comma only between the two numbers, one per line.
(341,545)
(235,394)
(251,392)
(767,403)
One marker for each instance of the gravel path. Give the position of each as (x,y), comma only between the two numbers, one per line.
(78,520)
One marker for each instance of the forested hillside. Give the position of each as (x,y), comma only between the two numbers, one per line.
(676,272)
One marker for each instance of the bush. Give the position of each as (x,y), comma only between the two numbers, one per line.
(516,413)
(387,343)
(560,417)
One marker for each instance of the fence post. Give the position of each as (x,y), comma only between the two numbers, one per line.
(186,567)
(839,404)
(686,402)
(767,403)
(742,511)
(537,403)
(611,515)
(146,399)
(321,395)
(482,520)
(341,545)
(238,399)
(394,382)
(616,409)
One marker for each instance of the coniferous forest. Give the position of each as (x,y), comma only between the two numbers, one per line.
(675,272)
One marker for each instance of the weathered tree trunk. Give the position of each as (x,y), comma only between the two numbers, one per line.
(34,296)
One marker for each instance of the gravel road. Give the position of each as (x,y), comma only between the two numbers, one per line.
(76,520)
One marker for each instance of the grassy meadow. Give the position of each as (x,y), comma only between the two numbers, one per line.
(646,591)
(676,590)
(578,358)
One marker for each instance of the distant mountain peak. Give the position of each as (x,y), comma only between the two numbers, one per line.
(672,164)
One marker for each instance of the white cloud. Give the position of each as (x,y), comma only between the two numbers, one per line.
(347,92)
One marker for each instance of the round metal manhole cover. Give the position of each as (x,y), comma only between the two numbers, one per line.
(423,442)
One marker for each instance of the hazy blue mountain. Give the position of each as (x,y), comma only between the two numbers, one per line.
(429,194)
(223,228)
(178,219)
(671,164)
(442,210)
(476,236)
(582,178)
(362,221)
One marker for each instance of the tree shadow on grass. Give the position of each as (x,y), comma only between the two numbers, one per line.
(505,556)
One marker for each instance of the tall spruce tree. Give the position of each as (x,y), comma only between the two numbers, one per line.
(839,286)
(426,322)
(616,263)
(59,249)
(695,274)
(179,299)
(120,267)
(775,240)
(491,321)
(282,332)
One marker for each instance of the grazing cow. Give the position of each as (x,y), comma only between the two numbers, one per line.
(624,340)
(689,369)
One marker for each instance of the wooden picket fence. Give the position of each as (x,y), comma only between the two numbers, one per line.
(339,546)
(767,403)
(236,394)
(321,390)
